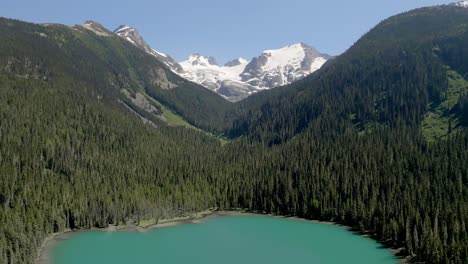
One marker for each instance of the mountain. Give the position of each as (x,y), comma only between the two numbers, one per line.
(409,69)
(283,66)
(240,78)
(461,4)
(225,80)
(125,72)
(133,36)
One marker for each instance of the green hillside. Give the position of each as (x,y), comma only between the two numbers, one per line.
(106,65)
(389,77)
(445,118)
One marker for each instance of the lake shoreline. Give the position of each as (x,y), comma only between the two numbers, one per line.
(44,256)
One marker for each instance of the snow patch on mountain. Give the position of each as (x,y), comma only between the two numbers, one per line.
(123,30)
(240,78)
(290,55)
(282,66)
(462,4)
(317,63)
(205,71)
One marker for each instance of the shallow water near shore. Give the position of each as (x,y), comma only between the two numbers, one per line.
(228,240)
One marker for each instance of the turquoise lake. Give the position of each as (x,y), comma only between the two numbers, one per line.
(227,240)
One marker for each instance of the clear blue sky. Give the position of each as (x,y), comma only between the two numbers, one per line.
(224,29)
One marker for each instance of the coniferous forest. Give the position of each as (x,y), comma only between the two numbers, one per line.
(375,140)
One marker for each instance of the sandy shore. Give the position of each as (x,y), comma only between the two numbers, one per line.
(53,240)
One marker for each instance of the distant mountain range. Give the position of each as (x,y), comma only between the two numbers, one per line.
(239,78)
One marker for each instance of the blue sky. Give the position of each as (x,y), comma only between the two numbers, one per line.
(224,29)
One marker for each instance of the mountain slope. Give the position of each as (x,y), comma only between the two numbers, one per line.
(71,151)
(133,36)
(389,77)
(120,71)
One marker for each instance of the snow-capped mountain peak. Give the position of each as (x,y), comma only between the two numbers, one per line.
(239,78)
(206,71)
(201,61)
(283,66)
(461,4)
(133,36)
(123,29)
(292,55)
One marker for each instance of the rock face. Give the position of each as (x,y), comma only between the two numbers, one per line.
(96,28)
(239,78)
(235,62)
(133,36)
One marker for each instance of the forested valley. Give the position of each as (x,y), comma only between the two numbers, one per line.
(376,139)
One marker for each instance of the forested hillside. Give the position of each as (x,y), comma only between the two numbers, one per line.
(376,139)
(395,74)
(111,68)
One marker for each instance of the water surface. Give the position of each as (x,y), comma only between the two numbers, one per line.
(227,240)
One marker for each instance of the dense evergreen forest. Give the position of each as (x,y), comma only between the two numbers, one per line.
(376,139)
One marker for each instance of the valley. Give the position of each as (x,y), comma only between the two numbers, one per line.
(98,130)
